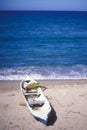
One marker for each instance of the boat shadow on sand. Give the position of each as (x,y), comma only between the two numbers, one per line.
(52,118)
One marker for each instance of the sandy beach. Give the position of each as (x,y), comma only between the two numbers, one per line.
(67,97)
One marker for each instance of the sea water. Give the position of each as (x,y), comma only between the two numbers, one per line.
(43,45)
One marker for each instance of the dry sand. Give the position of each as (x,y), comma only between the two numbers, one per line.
(67,97)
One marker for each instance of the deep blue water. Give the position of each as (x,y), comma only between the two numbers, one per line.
(43,45)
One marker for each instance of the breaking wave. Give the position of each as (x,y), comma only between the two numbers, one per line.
(45,72)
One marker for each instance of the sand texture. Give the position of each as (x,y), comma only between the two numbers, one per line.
(67,97)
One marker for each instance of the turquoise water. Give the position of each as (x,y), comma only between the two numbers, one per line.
(43,45)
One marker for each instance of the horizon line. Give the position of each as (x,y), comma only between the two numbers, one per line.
(49,10)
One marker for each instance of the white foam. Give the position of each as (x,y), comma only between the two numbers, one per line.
(58,72)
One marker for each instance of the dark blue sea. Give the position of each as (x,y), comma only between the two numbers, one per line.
(43,45)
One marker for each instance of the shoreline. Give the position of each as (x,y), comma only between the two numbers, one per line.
(15,84)
(68,99)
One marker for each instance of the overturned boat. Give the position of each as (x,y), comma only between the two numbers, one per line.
(36,102)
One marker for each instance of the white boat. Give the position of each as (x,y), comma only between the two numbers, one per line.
(36,102)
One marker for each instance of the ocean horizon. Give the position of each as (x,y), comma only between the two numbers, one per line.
(43,44)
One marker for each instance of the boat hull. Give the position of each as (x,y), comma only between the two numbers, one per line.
(43,112)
